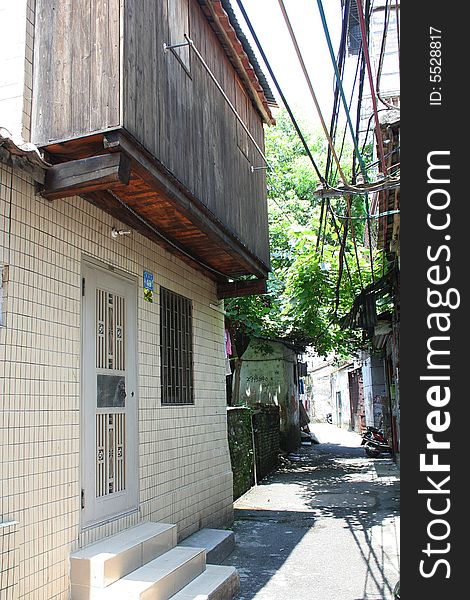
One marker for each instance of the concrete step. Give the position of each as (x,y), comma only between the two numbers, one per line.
(104,562)
(219,543)
(159,579)
(216,583)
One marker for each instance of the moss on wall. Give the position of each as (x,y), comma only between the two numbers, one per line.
(241,449)
(266,433)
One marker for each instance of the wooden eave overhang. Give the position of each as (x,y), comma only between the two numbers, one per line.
(115,173)
(233,47)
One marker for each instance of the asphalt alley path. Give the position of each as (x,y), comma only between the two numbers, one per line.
(323,528)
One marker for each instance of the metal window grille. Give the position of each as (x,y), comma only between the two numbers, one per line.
(176,334)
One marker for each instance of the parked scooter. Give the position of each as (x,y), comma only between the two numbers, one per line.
(329,418)
(375,443)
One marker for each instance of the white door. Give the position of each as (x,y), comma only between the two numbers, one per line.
(109,396)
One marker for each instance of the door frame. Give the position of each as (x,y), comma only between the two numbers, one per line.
(88,262)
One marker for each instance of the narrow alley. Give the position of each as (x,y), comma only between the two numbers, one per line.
(325,526)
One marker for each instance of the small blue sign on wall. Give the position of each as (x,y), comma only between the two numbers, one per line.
(148,280)
(148,286)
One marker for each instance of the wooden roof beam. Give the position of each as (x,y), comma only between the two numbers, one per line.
(236,289)
(86,175)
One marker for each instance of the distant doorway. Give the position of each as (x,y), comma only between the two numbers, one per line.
(339,412)
(356,399)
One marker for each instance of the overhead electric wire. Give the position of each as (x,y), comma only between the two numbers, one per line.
(387,182)
(339,70)
(359,104)
(322,211)
(279,89)
(342,257)
(338,235)
(340,85)
(353,231)
(327,135)
(310,86)
(291,115)
(343,141)
(376,162)
(356,252)
(358,124)
(368,129)
(373,216)
(333,128)
(335,109)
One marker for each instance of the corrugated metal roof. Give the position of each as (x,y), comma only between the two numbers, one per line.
(249,51)
(223,21)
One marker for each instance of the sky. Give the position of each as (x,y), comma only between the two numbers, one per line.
(268,23)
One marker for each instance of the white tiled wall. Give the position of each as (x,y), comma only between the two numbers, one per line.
(185,474)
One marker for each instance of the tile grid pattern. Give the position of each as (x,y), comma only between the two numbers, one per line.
(185,474)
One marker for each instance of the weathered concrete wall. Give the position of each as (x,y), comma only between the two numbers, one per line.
(269,376)
(340,397)
(266,427)
(318,384)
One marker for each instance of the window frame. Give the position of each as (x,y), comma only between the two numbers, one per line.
(176,349)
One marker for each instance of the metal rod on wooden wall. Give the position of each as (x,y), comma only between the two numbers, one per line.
(190,43)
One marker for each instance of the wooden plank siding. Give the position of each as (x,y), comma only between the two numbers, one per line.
(76,69)
(100,66)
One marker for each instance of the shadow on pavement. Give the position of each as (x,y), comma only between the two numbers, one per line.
(329,482)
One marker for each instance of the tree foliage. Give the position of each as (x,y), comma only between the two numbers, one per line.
(307,295)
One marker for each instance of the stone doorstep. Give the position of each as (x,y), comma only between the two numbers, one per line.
(159,579)
(104,562)
(219,544)
(143,563)
(216,583)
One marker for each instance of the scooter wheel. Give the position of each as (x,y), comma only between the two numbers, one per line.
(372,452)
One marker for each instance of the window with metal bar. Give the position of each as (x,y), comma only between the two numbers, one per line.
(176,335)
